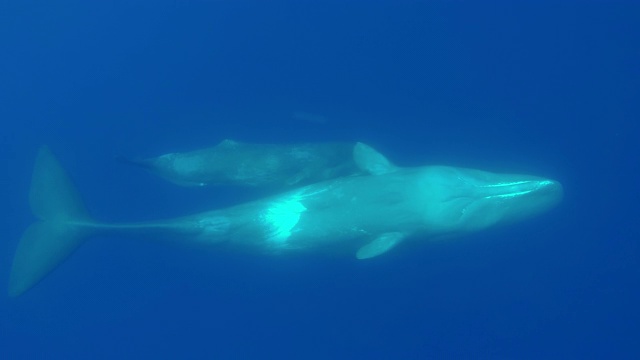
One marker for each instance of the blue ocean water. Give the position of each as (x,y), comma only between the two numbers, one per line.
(548,88)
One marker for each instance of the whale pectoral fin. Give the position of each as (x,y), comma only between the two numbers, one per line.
(380,245)
(371,161)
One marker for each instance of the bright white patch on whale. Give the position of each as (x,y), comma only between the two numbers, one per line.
(283,215)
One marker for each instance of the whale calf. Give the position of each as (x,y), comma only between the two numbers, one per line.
(366,215)
(253,165)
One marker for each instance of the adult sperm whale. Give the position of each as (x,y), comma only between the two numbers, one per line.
(367,214)
(253,165)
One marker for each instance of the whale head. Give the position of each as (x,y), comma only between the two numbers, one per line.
(453,200)
(461,200)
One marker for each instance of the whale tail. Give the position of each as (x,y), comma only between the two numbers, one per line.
(62,226)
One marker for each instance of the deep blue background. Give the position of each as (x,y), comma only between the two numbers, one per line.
(546,88)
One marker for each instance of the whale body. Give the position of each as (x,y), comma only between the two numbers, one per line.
(366,215)
(253,165)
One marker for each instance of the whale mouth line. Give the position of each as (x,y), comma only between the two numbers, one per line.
(513,183)
(515,189)
(509,195)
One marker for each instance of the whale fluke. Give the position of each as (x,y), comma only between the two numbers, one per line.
(58,233)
